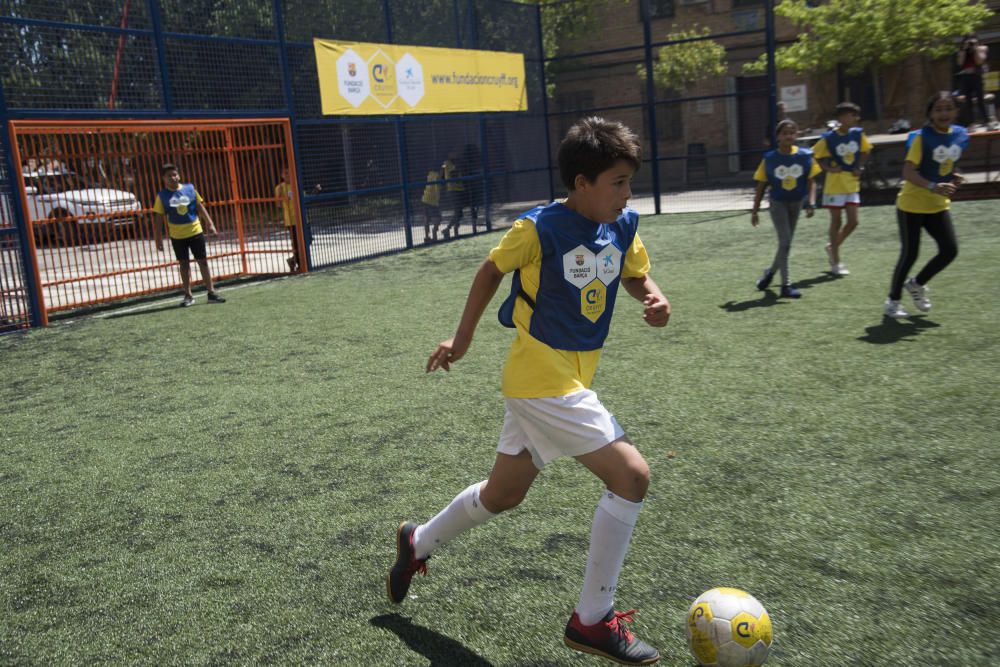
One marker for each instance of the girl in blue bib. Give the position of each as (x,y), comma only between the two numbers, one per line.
(790,172)
(929,180)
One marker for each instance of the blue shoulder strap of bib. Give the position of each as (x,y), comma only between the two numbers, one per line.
(506,312)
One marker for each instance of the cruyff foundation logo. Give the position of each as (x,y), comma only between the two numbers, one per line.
(847,151)
(380,78)
(180,202)
(789,175)
(946,156)
(592,273)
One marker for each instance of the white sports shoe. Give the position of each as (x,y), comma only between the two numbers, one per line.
(894,310)
(919,294)
(841,270)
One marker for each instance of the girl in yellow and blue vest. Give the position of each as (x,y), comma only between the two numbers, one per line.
(791,172)
(929,180)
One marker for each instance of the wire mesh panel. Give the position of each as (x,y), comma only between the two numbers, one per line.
(351,227)
(14,313)
(127,13)
(89,188)
(361,21)
(54,68)
(224,75)
(428,23)
(363,181)
(221,18)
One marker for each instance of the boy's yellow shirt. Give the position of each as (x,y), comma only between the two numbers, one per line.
(432,191)
(533,369)
(283,191)
(843,182)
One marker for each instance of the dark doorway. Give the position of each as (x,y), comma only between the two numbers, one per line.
(752,104)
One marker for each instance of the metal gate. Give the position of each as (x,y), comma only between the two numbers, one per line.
(87,189)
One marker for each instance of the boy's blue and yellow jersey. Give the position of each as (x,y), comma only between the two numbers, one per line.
(934,154)
(788,173)
(534,369)
(843,148)
(180,207)
(432,191)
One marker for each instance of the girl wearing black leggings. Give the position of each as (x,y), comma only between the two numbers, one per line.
(929,180)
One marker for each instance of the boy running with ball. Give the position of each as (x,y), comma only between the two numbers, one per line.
(568,259)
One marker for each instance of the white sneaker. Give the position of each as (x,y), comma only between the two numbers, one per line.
(841,270)
(894,310)
(919,294)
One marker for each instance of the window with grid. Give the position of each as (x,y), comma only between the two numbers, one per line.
(658,9)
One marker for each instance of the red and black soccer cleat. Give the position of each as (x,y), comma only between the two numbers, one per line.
(397,583)
(609,638)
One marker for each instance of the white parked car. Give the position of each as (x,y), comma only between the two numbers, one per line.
(64,207)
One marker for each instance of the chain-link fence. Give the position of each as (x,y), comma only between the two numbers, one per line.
(362,179)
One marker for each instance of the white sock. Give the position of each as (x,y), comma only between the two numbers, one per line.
(465,512)
(609,539)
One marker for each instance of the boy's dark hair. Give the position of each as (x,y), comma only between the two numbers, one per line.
(592,146)
(847,107)
(168,167)
(937,97)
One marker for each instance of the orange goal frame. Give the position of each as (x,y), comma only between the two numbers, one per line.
(87,190)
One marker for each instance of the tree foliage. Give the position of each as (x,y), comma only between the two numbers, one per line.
(563,23)
(870,33)
(679,66)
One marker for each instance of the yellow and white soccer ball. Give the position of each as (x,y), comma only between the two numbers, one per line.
(727,627)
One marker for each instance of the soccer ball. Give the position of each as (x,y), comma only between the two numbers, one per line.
(727,627)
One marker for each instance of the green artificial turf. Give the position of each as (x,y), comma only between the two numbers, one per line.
(222,484)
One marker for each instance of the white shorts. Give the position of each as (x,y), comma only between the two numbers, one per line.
(840,201)
(548,428)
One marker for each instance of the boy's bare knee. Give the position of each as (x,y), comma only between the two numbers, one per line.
(640,480)
(633,483)
(500,502)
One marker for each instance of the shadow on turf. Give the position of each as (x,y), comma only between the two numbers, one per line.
(893,331)
(437,648)
(770,297)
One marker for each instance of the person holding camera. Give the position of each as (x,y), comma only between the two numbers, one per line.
(971,60)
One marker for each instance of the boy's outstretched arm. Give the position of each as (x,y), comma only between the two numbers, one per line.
(657,307)
(484,286)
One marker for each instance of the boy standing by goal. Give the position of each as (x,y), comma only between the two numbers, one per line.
(568,259)
(842,152)
(183,209)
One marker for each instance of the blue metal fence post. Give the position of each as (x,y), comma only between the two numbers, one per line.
(457,16)
(484,186)
(654,139)
(161,55)
(545,98)
(31,279)
(401,152)
(772,75)
(286,80)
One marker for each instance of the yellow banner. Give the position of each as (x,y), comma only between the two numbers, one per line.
(363,79)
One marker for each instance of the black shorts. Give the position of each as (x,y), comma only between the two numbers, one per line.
(196,244)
